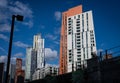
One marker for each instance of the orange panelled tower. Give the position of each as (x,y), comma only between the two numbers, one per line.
(63,39)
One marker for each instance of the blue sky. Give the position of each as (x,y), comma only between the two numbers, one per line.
(44,16)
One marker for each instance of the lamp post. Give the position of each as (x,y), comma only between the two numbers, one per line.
(19,18)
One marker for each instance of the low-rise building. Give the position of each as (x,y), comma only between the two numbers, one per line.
(40,73)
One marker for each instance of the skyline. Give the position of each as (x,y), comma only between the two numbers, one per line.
(45,18)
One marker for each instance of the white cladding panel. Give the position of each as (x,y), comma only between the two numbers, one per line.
(83,44)
(69,41)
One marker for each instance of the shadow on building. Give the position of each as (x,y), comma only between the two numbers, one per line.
(98,71)
(1,72)
(103,71)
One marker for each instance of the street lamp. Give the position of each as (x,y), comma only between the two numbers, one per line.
(19,18)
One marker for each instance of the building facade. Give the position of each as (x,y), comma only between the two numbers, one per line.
(33,62)
(28,64)
(41,73)
(20,76)
(19,73)
(77,39)
(12,72)
(18,68)
(1,72)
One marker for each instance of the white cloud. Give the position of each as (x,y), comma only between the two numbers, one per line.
(18,54)
(54,38)
(99,50)
(50,54)
(57,31)
(57,42)
(42,26)
(3,50)
(53,65)
(3,58)
(57,15)
(21,8)
(5,28)
(2,36)
(13,60)
(50,36)
(8,8)
(29,24)
(20,44)
(3,3)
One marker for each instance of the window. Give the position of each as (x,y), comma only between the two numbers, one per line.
(69,27)
(78,52)
(69,21)
(78,27)
(78,46)
(78,33)
(78,36)
(78,55)
(69,30)
(70,60)
(78,58)
(69,24)
(70,51)
(69,18)
(77,21)
(78,49)
(70,54)
(78,16)
(69,33)
(78,30)
(87,16)
(74,17)
(77,24)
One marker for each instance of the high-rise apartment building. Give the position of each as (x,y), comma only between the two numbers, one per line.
(38,54)
(35,57)
(77,39)
(28,64)
(38,46)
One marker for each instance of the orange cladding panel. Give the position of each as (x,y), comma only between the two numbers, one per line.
(74,11)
